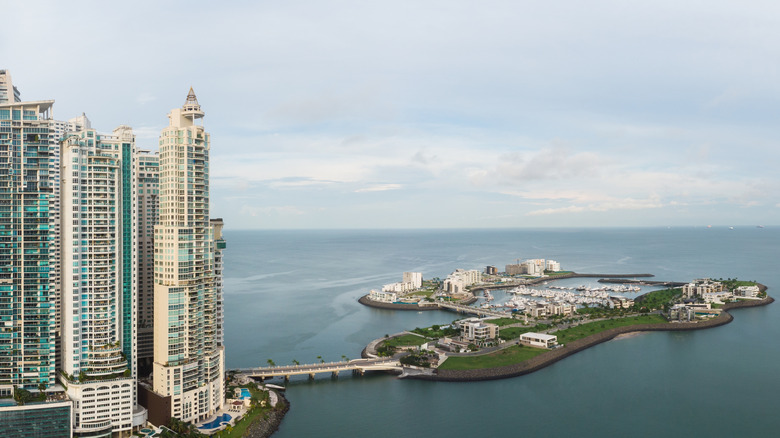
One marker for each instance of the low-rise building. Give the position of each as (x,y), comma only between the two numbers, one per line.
(717,297)
(541,310)
(383,297)
(701,286)
(528,267)
(539,340)
(476,330)
(621,302)
(681,312)
(50,419)
(747,291)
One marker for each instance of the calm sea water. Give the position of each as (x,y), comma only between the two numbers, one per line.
(293,295)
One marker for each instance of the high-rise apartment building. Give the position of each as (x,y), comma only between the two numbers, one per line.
(98,214)
(57,131)
(148,183)
(27,350)
(189,361)
(8,93)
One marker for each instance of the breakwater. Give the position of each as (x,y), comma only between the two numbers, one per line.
(574,347)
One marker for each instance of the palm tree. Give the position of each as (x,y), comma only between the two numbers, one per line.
(296,362)
(320,358)
(344,358)
(271,363)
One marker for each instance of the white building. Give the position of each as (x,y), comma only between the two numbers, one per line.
(540,340)
(57,132)
(700,287)
(411,281)
(383,296)
(552,265)
(415,278)
(98,269)
(189,362)
(476,330)
(747,291)
(458,281)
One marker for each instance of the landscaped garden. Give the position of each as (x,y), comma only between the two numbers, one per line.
(507,356)
(591,328)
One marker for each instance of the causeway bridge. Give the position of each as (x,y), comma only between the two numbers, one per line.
(359,366)
(475,310)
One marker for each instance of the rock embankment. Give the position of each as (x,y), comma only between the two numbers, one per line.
(573,347)
(266,426)
(364,300)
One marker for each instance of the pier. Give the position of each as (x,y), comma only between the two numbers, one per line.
(359,366)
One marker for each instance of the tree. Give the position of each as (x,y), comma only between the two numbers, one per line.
(320,358)
(295,362)
(271,363)
(344,358)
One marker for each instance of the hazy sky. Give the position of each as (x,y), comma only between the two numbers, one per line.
(345,114)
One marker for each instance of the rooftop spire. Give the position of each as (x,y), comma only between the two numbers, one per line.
(191,106)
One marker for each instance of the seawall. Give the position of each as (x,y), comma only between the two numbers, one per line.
(574,347)
(266,426)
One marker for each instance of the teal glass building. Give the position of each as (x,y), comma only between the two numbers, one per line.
(27,314)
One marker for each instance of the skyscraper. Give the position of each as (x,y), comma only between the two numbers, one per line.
(148,183)
(98,273)
(27,351)
(189,361)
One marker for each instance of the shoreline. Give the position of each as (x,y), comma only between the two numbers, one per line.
(268,425)
(553,356)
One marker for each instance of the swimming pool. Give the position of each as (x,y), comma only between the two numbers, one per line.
(215,423)
(245,394)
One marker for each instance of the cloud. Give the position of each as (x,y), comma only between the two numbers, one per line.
(611,205)
(549,163)
(379,188)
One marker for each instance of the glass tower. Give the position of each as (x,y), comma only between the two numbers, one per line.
(27,350)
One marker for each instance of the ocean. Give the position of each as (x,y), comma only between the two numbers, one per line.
(292,295)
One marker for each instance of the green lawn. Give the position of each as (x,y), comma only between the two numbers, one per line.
(657,299)
(255,413)
(405,341)
(503,321)
(583,330)
(422,293)
(513,332)
(508,356)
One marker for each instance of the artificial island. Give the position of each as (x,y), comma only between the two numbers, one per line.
(537,323)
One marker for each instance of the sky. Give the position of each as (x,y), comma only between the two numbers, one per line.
(435,114)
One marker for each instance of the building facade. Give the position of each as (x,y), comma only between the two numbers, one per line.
(148,183)
(98,268)
(27,314)
(41,420)
(189,361)
(8,93)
